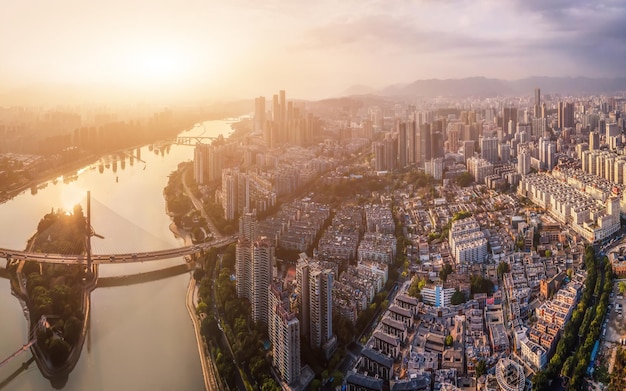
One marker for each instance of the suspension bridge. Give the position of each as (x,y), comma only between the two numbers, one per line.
(122,228)
(110,252)
(26,346)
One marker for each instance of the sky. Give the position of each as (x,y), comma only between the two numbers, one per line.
(209,49)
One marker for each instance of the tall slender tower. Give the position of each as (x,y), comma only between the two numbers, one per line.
(284,333)
(321,309)
(537,108)
(259,114)
(253,268)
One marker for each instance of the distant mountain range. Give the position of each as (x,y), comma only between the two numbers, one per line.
(484,87)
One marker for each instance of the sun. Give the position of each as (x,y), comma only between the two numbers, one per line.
(162,65)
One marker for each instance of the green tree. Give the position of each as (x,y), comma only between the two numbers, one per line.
(445,271)
(622,287)
(481,368)
(198,274)
(202,308)
(59,351)
(479,284)
(72,329)
(457,298)
(503,268)
(465,179)
(449,340)
(315,384)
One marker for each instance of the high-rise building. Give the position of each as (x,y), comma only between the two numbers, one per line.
(547,151)
(259,114)
(537,108)
(434,167)
(283,106)
(320,306)
(200,163)
(436,142)
(539,127)
(302,293)
(402,145)
(453,140)
(413,143)
(565,115)
(504,153)
(468,149)
(229,193)
(425,143)
(284,333)
(523,162)
(248,225)
(489,149)
(509,114)
(594,141)
(612,130)
(253,268)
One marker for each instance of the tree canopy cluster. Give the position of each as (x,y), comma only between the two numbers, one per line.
(55,290)
(480,284)
(584,325)
(245,337)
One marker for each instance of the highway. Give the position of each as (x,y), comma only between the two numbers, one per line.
(104,259)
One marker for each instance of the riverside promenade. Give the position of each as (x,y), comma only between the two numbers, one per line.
(209,370)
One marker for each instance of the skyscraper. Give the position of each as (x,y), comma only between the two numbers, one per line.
(468,149)
(284,333)
(509,114)
(489,149)
(259,114)
(302,291)
(547,150)
(436,145)
(402,145)
(523,162)
(321,309)
(229,193)
(537,107)
(594,140)
(425,146)
(253,268)
(565,115)
(248,225)
(453,140)
(200,163)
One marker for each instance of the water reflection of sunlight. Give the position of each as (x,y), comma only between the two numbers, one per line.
(71,194)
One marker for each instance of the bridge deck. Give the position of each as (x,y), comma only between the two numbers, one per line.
(18,352)
(115,258)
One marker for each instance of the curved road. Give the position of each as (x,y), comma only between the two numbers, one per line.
(198,205)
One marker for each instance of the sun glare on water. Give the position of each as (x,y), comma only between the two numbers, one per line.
(71,194)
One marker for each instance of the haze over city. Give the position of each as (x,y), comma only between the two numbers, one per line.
(203,50)
(355,195)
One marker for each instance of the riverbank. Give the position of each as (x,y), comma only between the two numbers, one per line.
(139,278)
(49,175)
(209,371)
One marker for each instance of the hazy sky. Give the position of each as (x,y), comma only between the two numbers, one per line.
(243,48)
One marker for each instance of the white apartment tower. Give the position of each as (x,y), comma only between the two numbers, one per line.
(253,268)
(321,309)
(284,333)
(229,193)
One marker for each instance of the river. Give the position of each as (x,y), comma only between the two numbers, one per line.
(141,337)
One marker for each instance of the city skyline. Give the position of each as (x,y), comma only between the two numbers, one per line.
(206,50)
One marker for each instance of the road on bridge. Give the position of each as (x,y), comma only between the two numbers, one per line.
(116,258)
